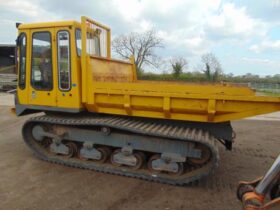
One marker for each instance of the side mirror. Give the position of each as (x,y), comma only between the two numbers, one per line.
(18,41)
(18,24)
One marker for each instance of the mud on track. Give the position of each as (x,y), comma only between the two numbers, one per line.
(28,183)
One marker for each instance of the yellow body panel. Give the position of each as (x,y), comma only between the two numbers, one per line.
(49,25)
(39,97)
(103,85)
(203,103)
(72,98)
(109,70)
(23,93)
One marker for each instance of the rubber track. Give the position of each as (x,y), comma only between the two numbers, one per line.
(139,126)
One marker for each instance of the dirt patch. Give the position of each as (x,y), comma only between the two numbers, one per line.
(6,99)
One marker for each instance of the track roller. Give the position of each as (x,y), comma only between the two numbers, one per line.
(73,149)
(98,154)
(158,165)
(205,156)
(134,161)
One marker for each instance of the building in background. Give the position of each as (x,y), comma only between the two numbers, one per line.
(7,59)
(8,73)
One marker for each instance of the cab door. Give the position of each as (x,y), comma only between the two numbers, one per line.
(68,95)
(43,81)
(23,61)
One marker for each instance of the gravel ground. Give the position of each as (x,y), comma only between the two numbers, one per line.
(28,183)
(6,99)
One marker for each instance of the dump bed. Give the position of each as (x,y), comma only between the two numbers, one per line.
(114,90)
(110,86)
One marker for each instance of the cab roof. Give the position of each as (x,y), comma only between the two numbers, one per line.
(49,24)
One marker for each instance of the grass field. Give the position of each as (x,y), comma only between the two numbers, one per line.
(268,93)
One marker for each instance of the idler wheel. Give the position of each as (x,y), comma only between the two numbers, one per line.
(37,129)
(43,140)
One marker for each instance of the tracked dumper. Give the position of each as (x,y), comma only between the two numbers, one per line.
(98,116)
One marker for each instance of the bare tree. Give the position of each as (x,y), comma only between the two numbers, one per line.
(178,64)
(141,45)
(213,68)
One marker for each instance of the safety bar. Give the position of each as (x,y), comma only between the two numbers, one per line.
(86,24)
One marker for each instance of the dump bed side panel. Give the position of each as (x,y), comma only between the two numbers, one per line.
(201,103)
(109,70)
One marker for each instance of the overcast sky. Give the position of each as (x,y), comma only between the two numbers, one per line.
(244,35)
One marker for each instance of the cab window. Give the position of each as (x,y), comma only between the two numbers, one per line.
(41,72)
(93,43)
(63,57)
(22,60)
(78,41)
